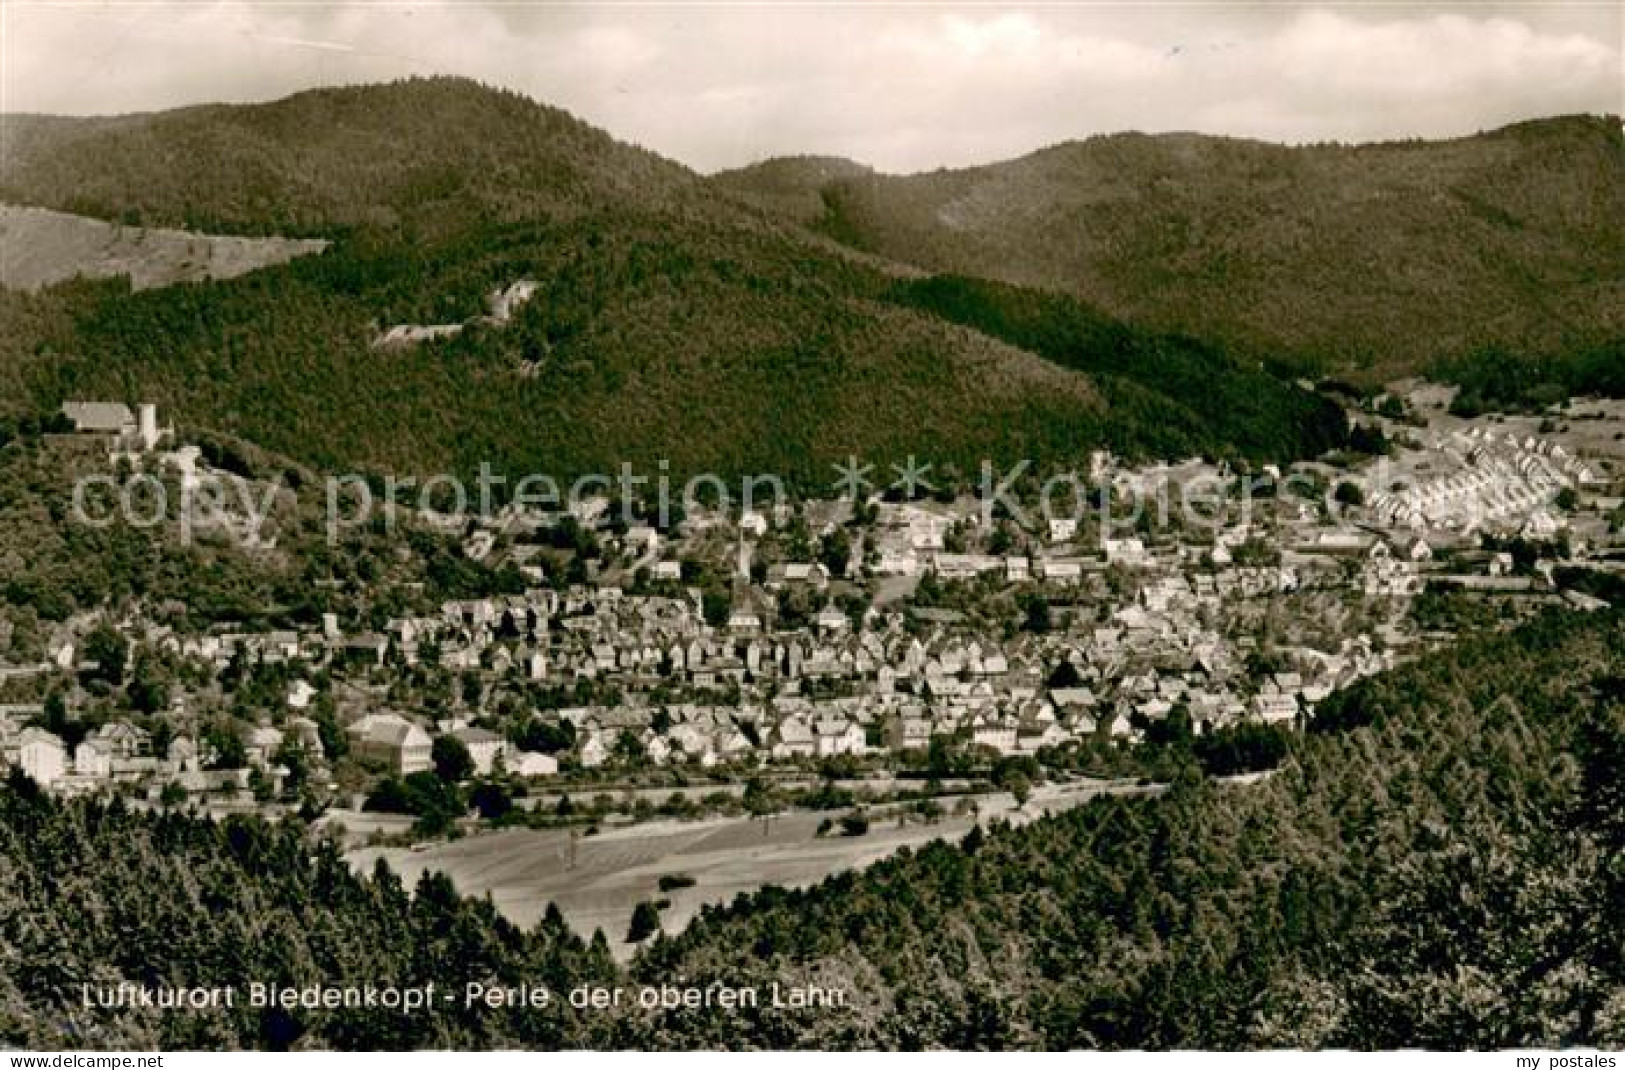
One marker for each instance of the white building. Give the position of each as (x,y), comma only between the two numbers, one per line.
(42,756)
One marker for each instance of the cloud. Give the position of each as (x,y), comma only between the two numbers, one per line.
(904,88)
(1442,58)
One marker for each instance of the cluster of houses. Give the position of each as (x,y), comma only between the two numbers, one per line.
(886,681)
(895,688)
(1142,629)
(402,744)
(120,753)
(1494,481)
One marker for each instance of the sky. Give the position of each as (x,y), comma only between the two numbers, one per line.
(902,87)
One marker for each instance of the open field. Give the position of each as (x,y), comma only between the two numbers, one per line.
(39,247)
(525,869)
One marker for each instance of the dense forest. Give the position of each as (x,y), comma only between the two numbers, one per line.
(717,350)
(1438,862)
(732,352)
(672,321)
(1181,386)
(1501,380)
(419,157)
(702,322)
(94,894)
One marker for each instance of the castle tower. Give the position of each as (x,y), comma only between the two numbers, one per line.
(147,425)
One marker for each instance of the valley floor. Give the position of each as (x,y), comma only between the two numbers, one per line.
(524,869)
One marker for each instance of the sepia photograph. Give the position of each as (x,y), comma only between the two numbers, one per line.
(851,526)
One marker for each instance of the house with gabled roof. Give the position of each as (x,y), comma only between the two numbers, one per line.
(831,619)
(836,737)
(792,738)
(392,740)
(485,747)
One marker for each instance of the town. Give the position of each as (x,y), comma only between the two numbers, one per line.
(896,636)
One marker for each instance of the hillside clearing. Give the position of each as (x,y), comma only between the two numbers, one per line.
(40,247)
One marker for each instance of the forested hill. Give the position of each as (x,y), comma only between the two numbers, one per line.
(1439,863)
(671,322)
(422,155)
(1375,258)
(791,186)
